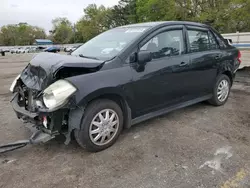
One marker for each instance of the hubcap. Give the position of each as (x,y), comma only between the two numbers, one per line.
(104,127)
(223,90)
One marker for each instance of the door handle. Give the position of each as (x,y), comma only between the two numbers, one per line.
(182,64)
(217,57)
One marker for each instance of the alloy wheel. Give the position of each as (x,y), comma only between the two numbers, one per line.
(223,90)
(104,127)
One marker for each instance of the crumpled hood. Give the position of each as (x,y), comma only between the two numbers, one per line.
(41,70)
(52,62)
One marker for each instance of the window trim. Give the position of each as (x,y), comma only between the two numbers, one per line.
(219,39)
(197,28)
(218,45)
(162,30)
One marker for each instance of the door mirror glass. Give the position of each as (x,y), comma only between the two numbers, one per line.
(144,56)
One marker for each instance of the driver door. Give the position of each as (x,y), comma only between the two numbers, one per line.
(163,81)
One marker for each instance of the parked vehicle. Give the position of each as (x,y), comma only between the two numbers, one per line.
(122,77)
(32,49)
(41,48)
(6,50)
(75,47)
(71,48)
(23,50)
(14,50)
(68,49)
(53,49)
(2,52)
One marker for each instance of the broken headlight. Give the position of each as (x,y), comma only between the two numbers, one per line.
(57,94)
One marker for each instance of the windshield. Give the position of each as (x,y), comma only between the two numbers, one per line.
(108,44)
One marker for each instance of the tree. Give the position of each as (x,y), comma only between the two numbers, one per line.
(62,31)
(20,34)
(156,10)
(224,15)
(95,20)
(239,18)
(125,13)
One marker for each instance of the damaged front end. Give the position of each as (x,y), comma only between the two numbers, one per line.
(41,108)
(43,97)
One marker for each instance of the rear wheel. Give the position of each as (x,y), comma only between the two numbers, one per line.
(221,90)
(101,125)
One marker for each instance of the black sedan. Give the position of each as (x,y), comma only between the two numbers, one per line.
(122,77)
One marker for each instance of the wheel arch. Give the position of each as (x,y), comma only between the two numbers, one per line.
(76,115)
(229,74)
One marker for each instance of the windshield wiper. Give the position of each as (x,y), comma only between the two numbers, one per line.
(88,57)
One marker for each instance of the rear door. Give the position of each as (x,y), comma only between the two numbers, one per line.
(205,55)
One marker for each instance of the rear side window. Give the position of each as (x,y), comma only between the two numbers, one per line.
(212,41)
(169,43)
(201,41)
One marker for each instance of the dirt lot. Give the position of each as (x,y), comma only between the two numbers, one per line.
(199,146)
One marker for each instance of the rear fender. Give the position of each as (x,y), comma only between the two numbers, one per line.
(228,64)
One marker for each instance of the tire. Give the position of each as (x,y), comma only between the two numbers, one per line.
(215,100)
(83,136)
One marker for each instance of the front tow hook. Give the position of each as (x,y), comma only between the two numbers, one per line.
(36,138)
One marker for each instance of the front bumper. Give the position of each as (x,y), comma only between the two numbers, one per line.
(55,121)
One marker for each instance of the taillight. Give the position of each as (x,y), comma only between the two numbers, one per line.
(239,56)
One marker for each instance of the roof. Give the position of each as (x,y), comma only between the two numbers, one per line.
(152,24)
(43,40)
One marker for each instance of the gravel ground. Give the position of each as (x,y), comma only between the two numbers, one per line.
(198,146)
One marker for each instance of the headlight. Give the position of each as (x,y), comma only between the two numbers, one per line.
(57,93)
(14,83)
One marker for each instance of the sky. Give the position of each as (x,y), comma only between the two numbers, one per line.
(41,12)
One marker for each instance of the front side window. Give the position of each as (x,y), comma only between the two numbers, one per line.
(200,41)
(108,44)
(169,43)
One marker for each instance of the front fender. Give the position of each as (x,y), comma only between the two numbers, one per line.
(112,81)
(115,81)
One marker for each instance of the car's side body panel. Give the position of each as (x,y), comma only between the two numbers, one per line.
(115,80)
(153,86)
(159,86)
(162,84)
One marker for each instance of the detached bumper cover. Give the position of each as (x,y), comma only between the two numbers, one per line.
(55,118)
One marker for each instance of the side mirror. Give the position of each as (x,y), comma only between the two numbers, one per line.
(143,57)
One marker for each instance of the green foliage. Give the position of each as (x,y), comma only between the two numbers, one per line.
(156,10)
(95,20)
(224,15)
(20,34)
(62,32)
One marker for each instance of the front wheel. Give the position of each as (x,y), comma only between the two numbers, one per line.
(101,125)
(221,90)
